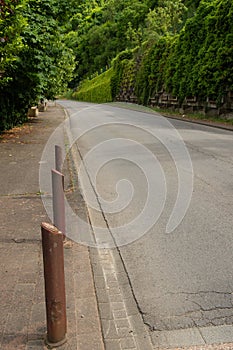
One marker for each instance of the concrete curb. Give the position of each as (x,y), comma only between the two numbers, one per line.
(145,109)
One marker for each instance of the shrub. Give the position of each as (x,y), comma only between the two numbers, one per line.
(97,90)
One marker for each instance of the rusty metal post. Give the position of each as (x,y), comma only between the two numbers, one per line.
(58,201)
(54,277)
(58,158)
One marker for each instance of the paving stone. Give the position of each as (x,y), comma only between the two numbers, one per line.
(143,341)
(218,334)
(100,282)
(105,311)
(35,345)
(122,278)
(27,277)
(177,338)
(17,322)
(90,341)
(122,323)
(23,295)
(117,298)
(81,261)
(128,343)
(14,341)
(112,345)
(37,324)
(109,329)
(117,305)
(87,315)
(124,332)
(131,306)
(137,323)
(83,284)
(119,314)
(102,295)
(97,269)
(112,285)
(111,278)
(114,291)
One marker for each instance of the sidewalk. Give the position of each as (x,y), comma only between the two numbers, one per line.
(22,303)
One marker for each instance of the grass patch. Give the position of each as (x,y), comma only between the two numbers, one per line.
(193,116)
(97,90)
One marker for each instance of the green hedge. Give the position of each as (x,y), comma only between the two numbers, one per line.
(202,61)
(97,90)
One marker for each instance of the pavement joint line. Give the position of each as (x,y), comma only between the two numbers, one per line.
(16,195)
(20,240)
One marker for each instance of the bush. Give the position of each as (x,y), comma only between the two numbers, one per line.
(97,90)
(202,60)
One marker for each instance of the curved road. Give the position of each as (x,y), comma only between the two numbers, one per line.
(182,281)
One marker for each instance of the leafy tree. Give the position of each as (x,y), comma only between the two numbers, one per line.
(41,64)
(12,24)
(103,29)
(166,18)
(45,58)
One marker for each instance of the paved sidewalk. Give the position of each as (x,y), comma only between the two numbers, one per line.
(22,306)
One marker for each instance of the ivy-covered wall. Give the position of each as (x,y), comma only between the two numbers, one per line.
(195,64)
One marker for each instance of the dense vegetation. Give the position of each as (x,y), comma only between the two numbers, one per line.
(188,53)
(140,46)
(35,61)
(103,29)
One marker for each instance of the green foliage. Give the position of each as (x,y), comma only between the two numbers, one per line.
(45,57)
(183,47)
(166,18)
(128,77)
(12,24)
(118,64)
(105,29)
(202,61)
(97,90)
(35,60)
(196,62)
(150,77)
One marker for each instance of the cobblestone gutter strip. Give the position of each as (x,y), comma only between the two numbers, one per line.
(122,324)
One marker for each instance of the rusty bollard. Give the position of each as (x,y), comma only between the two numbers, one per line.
(54,277)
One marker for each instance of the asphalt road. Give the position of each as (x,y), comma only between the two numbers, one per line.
(171,215)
